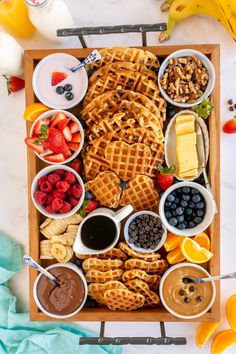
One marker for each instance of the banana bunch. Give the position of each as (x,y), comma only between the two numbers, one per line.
(223,11)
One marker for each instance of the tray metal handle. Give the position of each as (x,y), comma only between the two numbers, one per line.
(163,340)
(80,32)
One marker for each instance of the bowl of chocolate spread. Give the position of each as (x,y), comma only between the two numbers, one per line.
(63,300)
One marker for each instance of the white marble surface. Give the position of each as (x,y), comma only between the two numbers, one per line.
(13,177)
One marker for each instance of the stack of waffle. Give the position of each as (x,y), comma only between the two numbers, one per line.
(123,279)
(124,113)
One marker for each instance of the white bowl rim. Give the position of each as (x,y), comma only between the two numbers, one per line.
(47,170)
(186,264)
(187,232)
(139,249)
(211,81)
(75,269)
(34,84)
(171,122)
(71,116)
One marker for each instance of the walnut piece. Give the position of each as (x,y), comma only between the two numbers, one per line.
(185,79)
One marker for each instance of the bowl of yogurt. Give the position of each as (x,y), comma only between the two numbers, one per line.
(55,85)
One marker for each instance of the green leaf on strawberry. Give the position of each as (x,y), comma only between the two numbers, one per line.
(43,136)
(204,108)
(166,170)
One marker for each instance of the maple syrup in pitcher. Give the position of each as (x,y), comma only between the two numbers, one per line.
(98,232)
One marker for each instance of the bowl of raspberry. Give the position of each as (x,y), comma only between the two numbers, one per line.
(56,137)
(57,191)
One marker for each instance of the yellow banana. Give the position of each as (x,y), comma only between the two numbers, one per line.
(217,9)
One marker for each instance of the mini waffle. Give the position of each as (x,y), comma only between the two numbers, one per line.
(148,257)
(106,188)
(112,254)
(111,68)
(126,80)
(140,193)
(140,287)
(96,276)
(150,267)
(153,280)
(124,54)
(96,290)
(123,300)
(127,160)
(102,264)
(109,103)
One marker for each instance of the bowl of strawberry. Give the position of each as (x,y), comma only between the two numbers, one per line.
(56,137)
(57,191)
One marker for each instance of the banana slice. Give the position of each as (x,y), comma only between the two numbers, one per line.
(67,258)
(58,251)
(45,250)
(67,239)
(45,223)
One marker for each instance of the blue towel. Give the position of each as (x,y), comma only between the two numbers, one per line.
(20,336)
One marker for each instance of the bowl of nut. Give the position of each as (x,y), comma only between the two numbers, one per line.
(186,77)
(144,231)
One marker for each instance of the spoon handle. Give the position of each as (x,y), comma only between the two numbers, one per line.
(28,260)
(94,56)
(217,277)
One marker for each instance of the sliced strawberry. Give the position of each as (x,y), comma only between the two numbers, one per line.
(55,141)
(57,77)
(73,146)
(62,124)
(46,153)
(30,143)
(67,153)
(74,127)
(37,128)
(57,118)
(55,158)
(76,138)
(67,134)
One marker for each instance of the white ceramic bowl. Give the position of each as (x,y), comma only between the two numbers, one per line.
(46,171)
(192,265)
(65,265)
(208,215)
(170,143)
(42,80)
(50,114)
(126,232)
(205,61)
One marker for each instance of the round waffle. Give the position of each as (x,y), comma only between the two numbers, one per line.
(109,103)
(125,54)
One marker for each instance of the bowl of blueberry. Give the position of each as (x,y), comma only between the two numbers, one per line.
(144,231)
(186,208)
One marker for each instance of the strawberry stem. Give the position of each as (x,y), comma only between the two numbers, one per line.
(8,82)
(166,170)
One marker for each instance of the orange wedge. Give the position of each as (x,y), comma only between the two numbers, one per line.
(222,341)
(172,241)
(195,253)
(204,332)
(175,256)
(231,312)
(203,240)
(34,110)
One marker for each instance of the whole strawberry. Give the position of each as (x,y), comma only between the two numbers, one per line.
(77,165)
(14,84)
(165,177)
(230,126)
(53,140)
(88,206)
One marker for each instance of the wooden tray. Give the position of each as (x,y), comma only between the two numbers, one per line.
(34,165)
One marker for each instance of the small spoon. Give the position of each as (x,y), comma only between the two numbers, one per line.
(187,280)
(94,56)
(28,260)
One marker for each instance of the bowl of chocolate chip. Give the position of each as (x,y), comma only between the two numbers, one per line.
(63,300)
(144,231)
(186,77)
(183,297)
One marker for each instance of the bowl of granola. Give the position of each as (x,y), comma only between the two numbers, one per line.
(186,77)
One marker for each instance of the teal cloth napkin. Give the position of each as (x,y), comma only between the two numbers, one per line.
(18,335)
